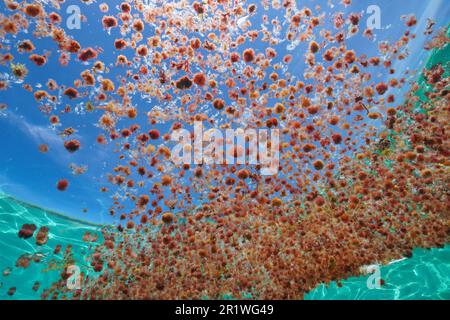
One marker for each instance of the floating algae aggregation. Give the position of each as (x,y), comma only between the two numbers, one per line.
(424,276)
(224,150)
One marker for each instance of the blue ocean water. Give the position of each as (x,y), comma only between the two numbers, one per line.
(426,275)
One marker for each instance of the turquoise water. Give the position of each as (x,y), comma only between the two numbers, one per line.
(424,276)
(62,231)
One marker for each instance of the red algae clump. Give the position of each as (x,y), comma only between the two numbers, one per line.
(27,231)
(72,145)
(62,185)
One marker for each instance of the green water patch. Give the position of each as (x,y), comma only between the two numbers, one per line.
(63,231)
(426,275)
